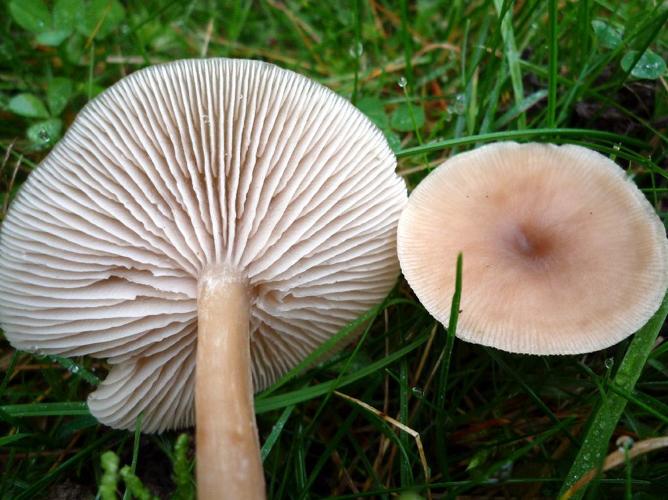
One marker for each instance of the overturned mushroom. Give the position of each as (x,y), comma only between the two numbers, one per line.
(221,212)
(562,253)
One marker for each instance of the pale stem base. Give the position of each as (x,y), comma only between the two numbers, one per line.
(228,448)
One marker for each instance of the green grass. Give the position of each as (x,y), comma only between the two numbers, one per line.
(437,77)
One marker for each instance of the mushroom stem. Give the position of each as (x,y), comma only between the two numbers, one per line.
(228,448)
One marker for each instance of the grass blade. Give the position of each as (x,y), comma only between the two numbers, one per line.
(275,402)
(442,383)
(46,409)
(512,55)
(276,432)
(553,69)
(508,135)
(328,346)
(4,441)
(603,423)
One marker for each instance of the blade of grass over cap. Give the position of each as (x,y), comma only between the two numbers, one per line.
(547,133)
(605,419)
(329,344)
(266,404)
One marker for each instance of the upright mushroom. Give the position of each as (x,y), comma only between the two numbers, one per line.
(562,252)
(227,214)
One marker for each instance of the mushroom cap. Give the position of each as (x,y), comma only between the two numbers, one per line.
(173,169)
(562,253)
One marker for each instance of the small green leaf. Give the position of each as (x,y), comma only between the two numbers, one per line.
(650,66)
(28,105)
(31,15)
(374,109)
(74,49)
(98,18)
(57,94)
(52,38)
(407,118)
(65,13)
(46,132)
(609,36)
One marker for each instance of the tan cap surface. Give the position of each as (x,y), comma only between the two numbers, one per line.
(173,169)
(562,253)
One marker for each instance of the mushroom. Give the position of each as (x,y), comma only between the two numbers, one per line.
(562,253)
(224,214)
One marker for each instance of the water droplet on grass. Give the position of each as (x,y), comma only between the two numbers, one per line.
(459,106)
(356,49)
(402,82)
(624,443)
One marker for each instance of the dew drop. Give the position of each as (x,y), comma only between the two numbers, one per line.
(624,443)
(356,49)
(402,82)
(43,135)
(609,363)
(460,104)
(506,470)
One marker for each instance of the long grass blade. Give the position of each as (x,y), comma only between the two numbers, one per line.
(554,134)
(604,420)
